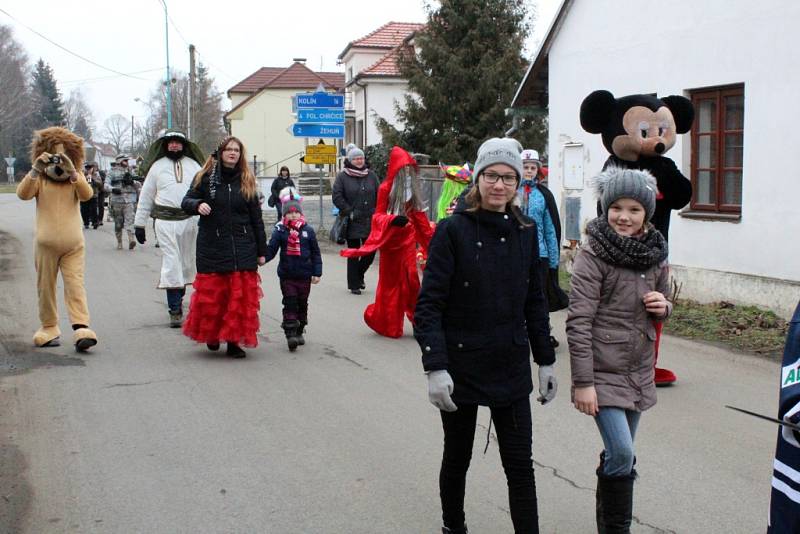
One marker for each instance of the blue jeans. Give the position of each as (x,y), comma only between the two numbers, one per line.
(618,429)
(175,299)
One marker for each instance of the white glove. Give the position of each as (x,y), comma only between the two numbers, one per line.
(440,387)
(548,384)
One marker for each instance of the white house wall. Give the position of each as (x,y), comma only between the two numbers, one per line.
(264,126)
(639,46)
(381,98)
(360,59)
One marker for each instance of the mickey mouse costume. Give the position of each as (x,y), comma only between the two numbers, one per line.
(638,130)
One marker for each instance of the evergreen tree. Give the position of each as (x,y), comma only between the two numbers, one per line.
(82,129)
(49,107)
(463,72)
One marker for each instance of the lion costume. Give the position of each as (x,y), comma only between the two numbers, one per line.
(58,186)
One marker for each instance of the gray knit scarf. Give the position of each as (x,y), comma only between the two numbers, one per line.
(637,253)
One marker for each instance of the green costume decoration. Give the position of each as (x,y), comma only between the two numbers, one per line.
(159,149)
(456,179)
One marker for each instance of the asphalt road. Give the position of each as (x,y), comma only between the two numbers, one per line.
(152,433)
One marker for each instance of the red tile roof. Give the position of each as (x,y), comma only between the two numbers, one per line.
(386,66)
(295,76)
(257,80)
(298,76)
(390,35)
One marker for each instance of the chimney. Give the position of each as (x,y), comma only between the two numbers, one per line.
(299,60)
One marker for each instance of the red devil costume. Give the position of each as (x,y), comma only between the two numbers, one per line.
(397,236)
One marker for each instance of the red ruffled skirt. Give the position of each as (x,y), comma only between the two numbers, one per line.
(224,308)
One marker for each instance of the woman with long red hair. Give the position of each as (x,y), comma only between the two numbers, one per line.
(231,245)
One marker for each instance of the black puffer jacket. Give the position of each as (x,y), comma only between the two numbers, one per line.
(232,237)
(481,308)
(356,197)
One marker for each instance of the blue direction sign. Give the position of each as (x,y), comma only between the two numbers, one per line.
(319,100)
(320,115)
(332,131)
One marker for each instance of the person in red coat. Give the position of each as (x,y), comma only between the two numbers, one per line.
(399,228)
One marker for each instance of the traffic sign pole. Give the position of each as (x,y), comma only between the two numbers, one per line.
(319,115)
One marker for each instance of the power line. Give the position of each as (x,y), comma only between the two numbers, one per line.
(99,78)
(68,50)
(183,38)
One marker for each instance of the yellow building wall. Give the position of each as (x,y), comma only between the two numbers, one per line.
(264,126)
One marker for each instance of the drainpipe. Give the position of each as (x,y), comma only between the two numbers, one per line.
(366,126)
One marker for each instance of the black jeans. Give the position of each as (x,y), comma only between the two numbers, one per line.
(89,212)
(101,208)
(356,267)
(514,434)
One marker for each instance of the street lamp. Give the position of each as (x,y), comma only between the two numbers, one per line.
(169,92)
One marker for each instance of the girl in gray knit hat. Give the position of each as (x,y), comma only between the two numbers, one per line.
(480,315)
(619,282)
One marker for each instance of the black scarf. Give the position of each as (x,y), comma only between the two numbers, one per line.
(637,253)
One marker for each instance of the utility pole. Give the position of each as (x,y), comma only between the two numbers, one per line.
(131,134)
(192,82)
(169,79)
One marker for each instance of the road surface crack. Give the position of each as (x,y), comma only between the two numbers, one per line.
(330,351)
(133,384)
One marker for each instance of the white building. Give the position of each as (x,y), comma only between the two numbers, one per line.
(737,62)
(373,81)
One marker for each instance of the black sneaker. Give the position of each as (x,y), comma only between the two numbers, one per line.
(212,346)
(355,291)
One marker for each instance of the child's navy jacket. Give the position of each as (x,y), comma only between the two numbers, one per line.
(307,264)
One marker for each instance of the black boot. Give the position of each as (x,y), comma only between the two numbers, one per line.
(463,530)
(290,328)
(601,525)
(235,351)
(616,496)
(301,329)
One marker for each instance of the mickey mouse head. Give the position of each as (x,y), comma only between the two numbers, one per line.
(636,125)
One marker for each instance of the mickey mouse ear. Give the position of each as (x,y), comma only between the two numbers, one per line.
(596,109)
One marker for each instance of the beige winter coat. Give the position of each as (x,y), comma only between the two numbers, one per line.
(611,335)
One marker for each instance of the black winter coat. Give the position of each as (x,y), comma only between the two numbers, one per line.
(304,266)
(356,197)
(277,185)
(232,237)
(481,308)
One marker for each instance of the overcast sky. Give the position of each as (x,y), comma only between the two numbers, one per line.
(233,38)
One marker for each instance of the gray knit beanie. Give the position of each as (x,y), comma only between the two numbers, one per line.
(353,152)
(618,182)
(497,150)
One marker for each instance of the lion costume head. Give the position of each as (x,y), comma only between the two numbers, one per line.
(57,141)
